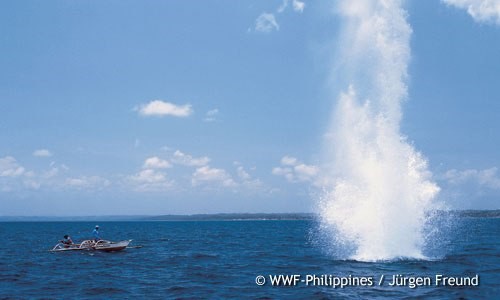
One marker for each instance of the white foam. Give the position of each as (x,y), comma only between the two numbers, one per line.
(381,190)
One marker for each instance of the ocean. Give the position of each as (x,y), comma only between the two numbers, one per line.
(225,259)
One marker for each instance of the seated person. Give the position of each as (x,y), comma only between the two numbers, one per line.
(67,241)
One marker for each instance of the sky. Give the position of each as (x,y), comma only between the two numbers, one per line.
(183,107)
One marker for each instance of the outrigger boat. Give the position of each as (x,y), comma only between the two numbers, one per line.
(101,245)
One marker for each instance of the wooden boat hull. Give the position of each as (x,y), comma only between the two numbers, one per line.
(101,245)
(111,246)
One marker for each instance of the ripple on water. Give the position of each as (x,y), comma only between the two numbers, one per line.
(193,265)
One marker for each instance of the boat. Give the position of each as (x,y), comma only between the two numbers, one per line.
(100,245)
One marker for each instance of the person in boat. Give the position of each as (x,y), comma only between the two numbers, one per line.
(67,241)
(95,233)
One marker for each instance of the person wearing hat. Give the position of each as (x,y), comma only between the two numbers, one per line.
(95,233)
(67,241)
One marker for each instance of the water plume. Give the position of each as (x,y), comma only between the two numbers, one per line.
(380,193)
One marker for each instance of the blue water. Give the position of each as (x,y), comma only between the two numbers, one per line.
(221,260)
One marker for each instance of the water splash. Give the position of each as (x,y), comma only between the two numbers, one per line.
(381,194)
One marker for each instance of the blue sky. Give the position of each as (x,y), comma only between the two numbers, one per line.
(159,107)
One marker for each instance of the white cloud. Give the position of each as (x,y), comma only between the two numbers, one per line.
(156,163)
(211,115)
(76,182)
(480,10)
(187,160)
(487,177)
(283,6)
(29,174)
(52,172)
(295,171)
(162,108)
(305,172)
(10,168)
(289,161)
(242,174)
(149,176)
(207,174)
(150,180)
(32,184)
(285,172)
(266,22)
(87,182)
(246,181)
(13,176)
(298,5)
(42,153)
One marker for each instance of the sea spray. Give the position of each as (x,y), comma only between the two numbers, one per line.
(380,193)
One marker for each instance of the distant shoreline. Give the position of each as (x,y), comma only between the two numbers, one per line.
(193,217)
(215,217)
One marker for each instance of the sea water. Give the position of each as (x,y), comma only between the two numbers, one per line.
(222,259)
